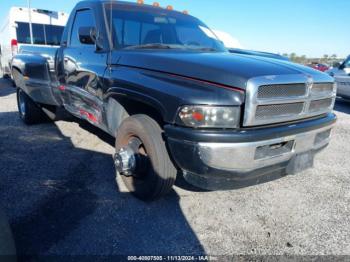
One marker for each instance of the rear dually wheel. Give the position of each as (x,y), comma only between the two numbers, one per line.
(29,112)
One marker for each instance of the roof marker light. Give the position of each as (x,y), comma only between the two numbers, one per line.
(185,12)
(169,7)
(140,2)
(156,4)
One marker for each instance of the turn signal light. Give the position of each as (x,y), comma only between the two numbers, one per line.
(209,116)
(198,116)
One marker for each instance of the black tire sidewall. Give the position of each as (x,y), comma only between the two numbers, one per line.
(158,182)
(33,113)
(19,94)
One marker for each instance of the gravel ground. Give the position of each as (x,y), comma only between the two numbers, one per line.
(58,190)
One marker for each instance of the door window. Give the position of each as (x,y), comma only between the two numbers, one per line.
(38,34)
(42,34)
(53,34)
(83,18)
(23,35)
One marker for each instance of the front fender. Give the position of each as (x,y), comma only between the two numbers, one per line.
(120,93)
(167,93)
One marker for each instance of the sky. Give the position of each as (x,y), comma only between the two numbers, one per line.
(306,27)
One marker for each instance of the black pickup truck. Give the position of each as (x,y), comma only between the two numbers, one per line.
(176,100)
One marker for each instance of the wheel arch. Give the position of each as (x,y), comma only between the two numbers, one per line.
(17,76)
(15,67)
(120,106)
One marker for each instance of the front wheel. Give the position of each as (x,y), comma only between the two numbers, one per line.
(29,112)
(142,158)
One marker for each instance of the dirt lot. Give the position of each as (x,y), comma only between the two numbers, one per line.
(58,190)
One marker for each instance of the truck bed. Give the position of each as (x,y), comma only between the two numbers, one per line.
(33,70)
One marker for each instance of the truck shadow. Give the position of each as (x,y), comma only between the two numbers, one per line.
(7,246)
(62,200)
(4,87)
(342,105)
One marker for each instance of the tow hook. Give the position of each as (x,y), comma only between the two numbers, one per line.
(125,161)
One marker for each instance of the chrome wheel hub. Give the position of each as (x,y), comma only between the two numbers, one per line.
(125,161)
(130,160)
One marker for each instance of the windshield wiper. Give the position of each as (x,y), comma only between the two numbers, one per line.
(209,49)
(170,46)
(150,46)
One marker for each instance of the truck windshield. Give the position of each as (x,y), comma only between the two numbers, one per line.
(42,34)
(147,27)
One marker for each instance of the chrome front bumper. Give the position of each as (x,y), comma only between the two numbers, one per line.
(247,157)
(227,159)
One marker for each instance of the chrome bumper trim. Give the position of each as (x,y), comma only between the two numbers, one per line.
(243,157)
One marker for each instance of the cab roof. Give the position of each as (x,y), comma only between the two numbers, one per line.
(142,6)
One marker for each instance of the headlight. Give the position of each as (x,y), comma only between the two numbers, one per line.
(209,116)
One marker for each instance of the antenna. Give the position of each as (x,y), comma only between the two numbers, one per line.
(111,35)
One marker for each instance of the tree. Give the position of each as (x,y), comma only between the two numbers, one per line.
(325,58)
(293,57)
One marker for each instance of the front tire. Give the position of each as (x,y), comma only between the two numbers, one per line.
(29,112)
(153,173)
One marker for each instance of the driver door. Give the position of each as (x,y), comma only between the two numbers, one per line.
(84,68)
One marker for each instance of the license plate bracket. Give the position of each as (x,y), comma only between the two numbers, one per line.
(300,162)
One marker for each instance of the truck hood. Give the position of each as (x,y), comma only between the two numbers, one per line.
(222,68)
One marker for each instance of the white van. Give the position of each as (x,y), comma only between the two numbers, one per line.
(47,28)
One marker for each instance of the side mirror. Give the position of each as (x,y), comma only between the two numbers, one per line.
(87,35)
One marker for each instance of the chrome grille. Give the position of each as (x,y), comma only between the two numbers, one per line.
(318,105)
(268,111)
(273,91)
(319,89)
(277,99)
